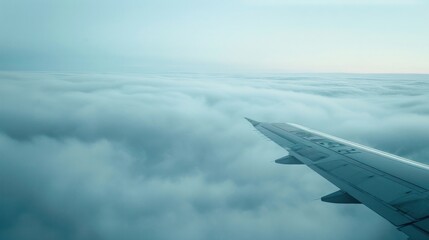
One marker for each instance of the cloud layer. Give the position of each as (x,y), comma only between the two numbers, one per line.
(91,156)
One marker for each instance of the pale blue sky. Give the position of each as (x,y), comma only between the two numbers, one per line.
(220,36)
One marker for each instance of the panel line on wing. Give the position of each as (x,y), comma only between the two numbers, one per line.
(372,150)
(332,146)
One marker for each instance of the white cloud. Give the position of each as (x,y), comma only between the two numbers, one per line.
(89,156)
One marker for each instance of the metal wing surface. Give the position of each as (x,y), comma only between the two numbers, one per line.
(394,187)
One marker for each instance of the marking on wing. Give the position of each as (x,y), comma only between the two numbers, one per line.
(335,146)
(345,151)
(400,201)
(377,183)
(359,146)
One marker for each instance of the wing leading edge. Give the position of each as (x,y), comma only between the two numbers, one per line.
(394,187)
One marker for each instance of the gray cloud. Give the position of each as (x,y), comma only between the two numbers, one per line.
(91,156)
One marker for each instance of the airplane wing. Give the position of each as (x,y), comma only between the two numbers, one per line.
(394,187)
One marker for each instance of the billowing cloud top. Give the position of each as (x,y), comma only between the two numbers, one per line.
(91,156)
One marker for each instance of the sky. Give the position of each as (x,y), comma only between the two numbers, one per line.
(170,156)
(381,36)
(125,119)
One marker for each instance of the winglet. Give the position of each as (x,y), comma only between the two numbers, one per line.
(253,122)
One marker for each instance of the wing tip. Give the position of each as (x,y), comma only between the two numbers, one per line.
(253,122)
